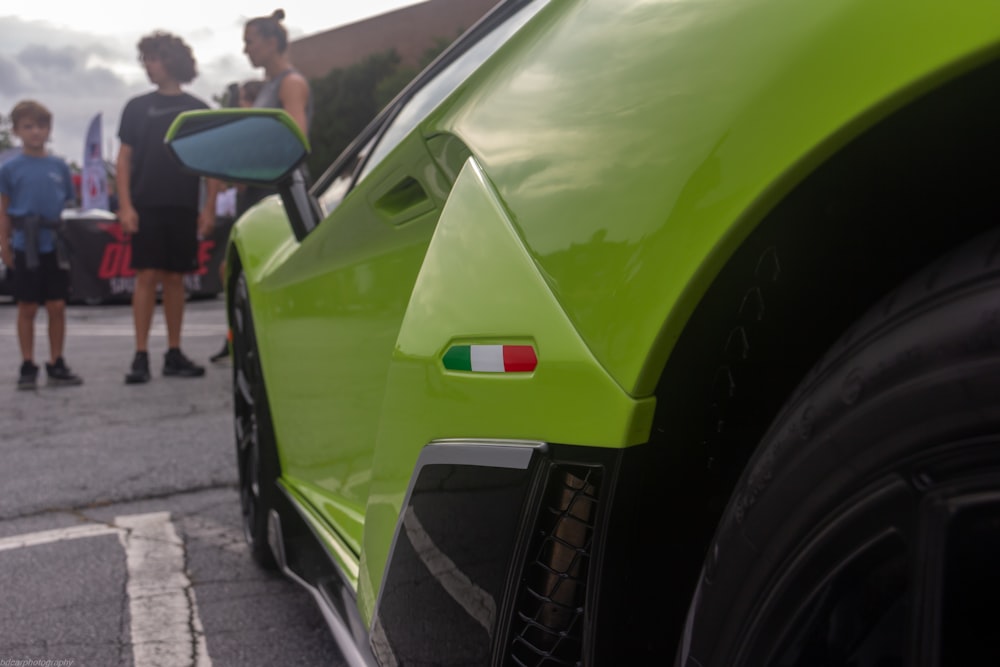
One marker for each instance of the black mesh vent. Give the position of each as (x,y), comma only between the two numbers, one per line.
(547,628)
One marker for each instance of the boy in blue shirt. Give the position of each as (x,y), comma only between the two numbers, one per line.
(34,189)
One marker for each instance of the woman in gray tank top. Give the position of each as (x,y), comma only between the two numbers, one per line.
(265,41)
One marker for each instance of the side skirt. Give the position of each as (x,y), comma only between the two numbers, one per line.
(302,558)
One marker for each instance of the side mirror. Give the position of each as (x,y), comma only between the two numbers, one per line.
(251,146)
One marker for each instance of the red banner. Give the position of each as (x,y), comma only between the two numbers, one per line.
(100,258)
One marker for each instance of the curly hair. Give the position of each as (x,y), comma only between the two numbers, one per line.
(173,52)
(270,26)
(30,109)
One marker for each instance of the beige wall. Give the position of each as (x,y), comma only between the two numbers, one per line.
(410,30)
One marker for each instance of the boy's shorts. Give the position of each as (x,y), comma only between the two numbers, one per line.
(46,283)
(167,239)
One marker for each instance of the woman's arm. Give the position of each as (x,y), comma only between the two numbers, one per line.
(294,97)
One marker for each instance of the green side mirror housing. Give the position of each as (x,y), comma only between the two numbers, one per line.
(252,146)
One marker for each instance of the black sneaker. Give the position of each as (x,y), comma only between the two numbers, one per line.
(221,354)
(28,378)
(140,369)
(177,365)
(59,374)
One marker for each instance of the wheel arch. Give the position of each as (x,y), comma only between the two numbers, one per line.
(262,237)
(234,265)
(259,242)
(890,201)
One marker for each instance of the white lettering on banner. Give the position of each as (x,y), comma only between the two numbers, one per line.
(122,285)
(192,281)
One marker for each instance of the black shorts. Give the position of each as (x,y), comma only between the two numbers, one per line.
(167,239)
(46,283)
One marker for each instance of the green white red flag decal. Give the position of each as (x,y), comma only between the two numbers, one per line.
(491,358)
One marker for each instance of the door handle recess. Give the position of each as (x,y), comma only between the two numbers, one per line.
(404,201)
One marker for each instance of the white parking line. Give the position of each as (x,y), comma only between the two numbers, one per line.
(165,626)
(166,629)
(58,535)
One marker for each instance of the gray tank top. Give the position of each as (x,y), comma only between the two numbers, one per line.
(268,96)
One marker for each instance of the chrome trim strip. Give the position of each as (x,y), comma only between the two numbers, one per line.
(340,627)
(489,453)
(340,630)
(307,518)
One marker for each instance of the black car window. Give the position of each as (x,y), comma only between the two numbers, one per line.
(422,102)
(338,188)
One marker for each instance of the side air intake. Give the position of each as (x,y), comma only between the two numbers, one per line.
(547,626)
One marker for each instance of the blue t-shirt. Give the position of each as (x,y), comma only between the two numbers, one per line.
(39,186)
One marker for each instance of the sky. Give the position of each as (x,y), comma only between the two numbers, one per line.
(79,58)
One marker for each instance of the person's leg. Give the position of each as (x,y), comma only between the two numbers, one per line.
(28,374)
(224,351)
(27,292)
(181,249)
(173,307)
(56,310)
(174,361)
(58,373)
(147,261)
(143,305)
(54,284)
(26,312)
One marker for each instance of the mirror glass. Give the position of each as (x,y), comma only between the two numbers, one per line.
(242,149)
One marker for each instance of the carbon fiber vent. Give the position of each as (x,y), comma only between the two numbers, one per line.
(547,628)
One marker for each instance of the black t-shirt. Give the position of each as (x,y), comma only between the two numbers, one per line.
(156,178)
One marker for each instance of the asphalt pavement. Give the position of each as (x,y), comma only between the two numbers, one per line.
(120,538)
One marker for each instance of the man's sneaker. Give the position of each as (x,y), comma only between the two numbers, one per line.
(60,375)
(177,365)
(28,378)
(140,369)
(221,354)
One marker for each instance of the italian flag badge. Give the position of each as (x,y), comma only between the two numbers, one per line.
(491,358)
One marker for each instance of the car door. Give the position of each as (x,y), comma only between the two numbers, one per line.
(338,302)
(341,299)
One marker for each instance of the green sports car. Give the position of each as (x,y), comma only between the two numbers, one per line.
(636,332)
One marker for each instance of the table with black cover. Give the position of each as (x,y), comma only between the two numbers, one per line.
(100,255)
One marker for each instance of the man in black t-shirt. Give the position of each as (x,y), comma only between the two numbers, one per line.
(158,203)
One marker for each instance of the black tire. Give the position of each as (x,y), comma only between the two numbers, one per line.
(256,454)
(865,529)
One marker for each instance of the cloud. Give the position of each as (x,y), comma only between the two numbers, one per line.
(79,62)
(13,78)
(76,75)
(65,71)
(44,58)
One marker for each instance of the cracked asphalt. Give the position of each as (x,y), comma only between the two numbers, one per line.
(95,456)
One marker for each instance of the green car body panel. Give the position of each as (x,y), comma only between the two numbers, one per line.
(577,194)
(568,398)
(678,153)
